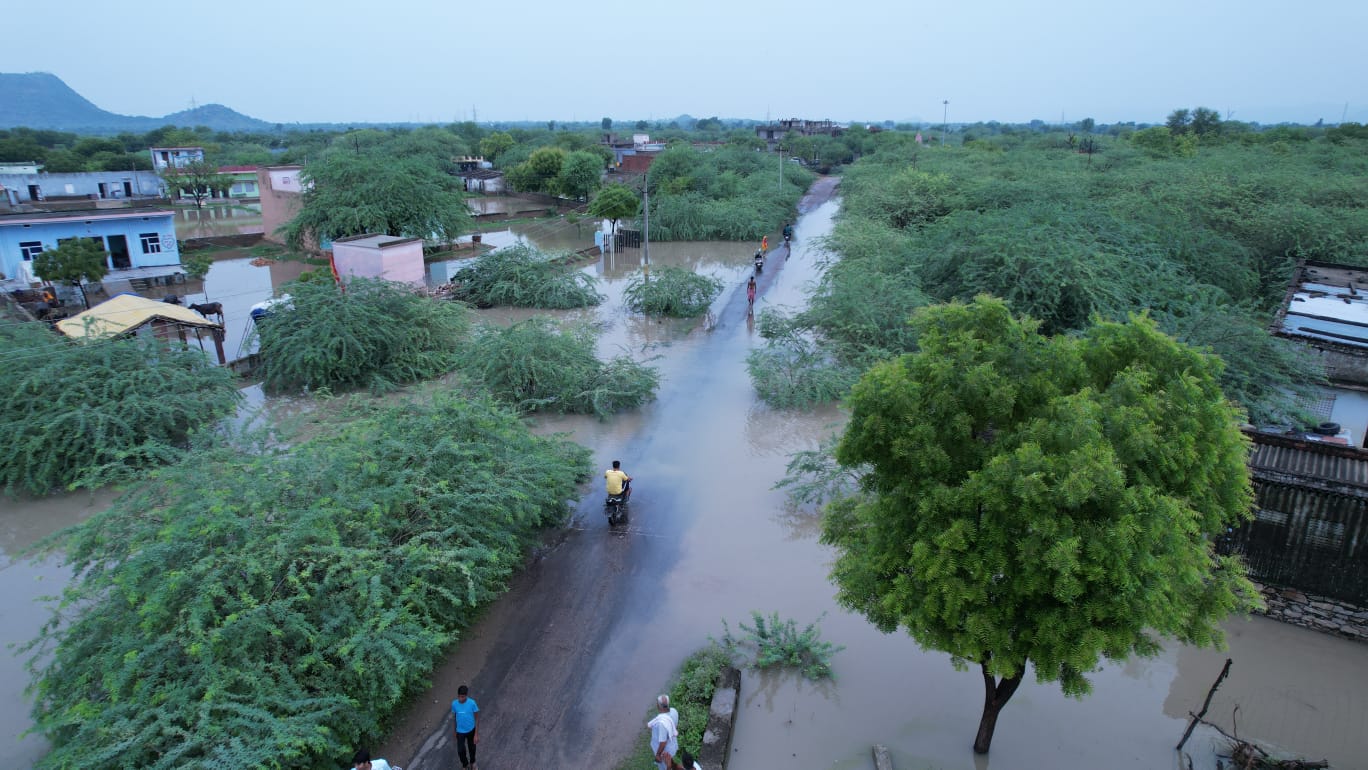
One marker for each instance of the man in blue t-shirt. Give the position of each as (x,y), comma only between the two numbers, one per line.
(467,726)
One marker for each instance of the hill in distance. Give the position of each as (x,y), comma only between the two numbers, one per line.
(42,100)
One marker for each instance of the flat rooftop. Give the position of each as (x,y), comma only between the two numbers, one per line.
(1328,302)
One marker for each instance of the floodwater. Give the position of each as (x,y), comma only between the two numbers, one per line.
(23,582)
(566,666)
(218,219)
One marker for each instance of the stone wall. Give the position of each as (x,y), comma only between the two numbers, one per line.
(1316,612)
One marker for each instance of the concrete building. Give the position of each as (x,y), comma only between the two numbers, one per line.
(179,157)
(87,185)
(380,256)
(280,189)
(244,181)
(138,242)
(773,133)
(482,180)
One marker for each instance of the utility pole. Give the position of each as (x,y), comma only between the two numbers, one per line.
(646,227)
(945,120)
(781,168)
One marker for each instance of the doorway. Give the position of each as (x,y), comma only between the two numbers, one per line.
(35,192)
(128,189)
(118,252)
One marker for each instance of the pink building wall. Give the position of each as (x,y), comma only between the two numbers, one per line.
(380,256)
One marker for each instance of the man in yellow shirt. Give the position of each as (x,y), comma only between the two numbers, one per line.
(617,482)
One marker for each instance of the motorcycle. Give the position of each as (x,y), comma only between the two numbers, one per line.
(615,508)
(759,262)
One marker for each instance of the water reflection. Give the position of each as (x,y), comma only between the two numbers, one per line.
(218,219)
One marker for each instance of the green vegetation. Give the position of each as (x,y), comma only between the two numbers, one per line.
(1204,236)
(1042,500)
(779,644)
(196,180)
(197,263)
(536,366)
(790,371)
(691,693)
(375,335)
(351,194)
(671,291)
(522,276)
(730,194)
(615,202)
(75,261)
(87,413)
(274,608)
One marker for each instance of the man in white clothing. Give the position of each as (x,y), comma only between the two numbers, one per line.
(362,761)
(664,733)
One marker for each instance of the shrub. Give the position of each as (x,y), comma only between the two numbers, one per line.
(780,643)
(522,276)
(536,366)
(272,609)
(374,334)
(691,693)
(84,413)
(671,291)
(791,371)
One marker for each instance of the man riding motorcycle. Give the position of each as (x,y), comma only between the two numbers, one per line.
(616,482)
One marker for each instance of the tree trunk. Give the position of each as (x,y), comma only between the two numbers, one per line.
(995,696)
(85,299)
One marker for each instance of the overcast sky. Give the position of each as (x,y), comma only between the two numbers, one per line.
(442,60)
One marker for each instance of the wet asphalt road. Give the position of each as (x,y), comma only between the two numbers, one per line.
(543,660)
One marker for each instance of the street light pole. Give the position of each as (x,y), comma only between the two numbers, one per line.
(646,238)
(945,118)
(781,168)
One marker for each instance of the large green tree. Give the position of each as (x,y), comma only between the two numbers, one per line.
(197,181)
(356,193)
(539,172)
(1040,500)
(580,174)
(614,202)
(74,261)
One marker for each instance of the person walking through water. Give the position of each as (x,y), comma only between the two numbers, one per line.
(750,293)
(467,726)
(764,243)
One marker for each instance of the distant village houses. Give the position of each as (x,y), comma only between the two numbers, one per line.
(175,157)
(773,133)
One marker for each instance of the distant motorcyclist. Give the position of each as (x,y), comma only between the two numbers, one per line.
(788,233)
(759,260)
(616,482)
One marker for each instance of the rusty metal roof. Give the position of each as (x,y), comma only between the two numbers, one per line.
(1284,459)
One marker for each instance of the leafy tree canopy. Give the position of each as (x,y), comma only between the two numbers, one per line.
(353,194)
(1042,500)
(580,174)
(273,608)
(88,413)
(615,202)
(375,334)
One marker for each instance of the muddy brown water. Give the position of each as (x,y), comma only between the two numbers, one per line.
(217,219)
(567,664)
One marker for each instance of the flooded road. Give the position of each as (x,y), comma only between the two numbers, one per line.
(566,666)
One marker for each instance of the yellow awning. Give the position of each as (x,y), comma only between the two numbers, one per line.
(126,312)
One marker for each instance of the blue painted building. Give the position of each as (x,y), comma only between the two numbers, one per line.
(133,239)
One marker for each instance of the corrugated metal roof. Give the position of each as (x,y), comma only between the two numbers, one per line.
(1333,464)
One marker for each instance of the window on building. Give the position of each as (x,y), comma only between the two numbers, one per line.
(30,249)
(151,242)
